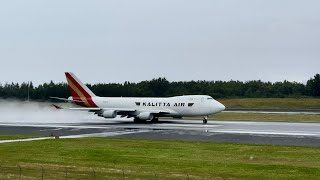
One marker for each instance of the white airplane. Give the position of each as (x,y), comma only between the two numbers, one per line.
(141,109)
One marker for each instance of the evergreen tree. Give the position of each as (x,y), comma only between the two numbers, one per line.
(313,86)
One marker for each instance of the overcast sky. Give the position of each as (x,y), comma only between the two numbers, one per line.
(134,40)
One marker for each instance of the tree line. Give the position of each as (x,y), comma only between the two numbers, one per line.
(161,87)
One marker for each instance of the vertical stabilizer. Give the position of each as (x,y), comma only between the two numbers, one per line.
(79,91)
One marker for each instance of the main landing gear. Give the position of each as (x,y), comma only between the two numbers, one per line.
(205,120)
(137,120)
(155,120)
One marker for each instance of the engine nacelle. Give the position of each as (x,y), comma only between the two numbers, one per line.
(109,114)
(145,116)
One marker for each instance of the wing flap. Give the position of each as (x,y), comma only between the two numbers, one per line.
(157,111)
(120,109)
(96,109)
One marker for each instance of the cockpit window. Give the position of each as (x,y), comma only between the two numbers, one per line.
(210,98)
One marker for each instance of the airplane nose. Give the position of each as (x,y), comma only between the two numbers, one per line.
(218,107)
(221,107)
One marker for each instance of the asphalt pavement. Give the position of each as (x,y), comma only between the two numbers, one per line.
(276,133)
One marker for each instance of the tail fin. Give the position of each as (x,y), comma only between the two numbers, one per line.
(79,91)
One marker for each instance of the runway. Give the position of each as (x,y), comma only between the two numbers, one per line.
(276,133)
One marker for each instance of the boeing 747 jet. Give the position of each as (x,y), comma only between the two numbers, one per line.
(140,109)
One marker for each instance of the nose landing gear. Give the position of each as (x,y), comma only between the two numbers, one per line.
(205,120)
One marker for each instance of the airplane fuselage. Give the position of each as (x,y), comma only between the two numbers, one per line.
(140,108)
(178,106)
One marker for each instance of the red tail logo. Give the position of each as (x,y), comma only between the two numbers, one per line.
(79,91)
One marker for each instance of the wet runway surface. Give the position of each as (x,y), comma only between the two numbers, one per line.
(277,133)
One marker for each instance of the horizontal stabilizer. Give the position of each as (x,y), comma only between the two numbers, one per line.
(56,106)
(77,109)
(65,99)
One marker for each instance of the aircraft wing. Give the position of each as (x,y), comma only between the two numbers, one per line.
(124,110)
(158,111)
(89,109)
(118,110)
(85,109)
(77,109)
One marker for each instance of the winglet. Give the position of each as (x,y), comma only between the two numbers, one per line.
(56,106)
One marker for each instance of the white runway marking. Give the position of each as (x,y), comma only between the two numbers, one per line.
(57,126)
(190,125)
(24,140)
(104,134)
(244,131)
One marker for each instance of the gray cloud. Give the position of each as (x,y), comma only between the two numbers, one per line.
(116,41)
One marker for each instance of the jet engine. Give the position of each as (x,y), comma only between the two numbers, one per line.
(109,114)
(145,116)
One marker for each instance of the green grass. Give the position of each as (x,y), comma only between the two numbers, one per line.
(278,103)
(16,136)
(266,117)
(139,159)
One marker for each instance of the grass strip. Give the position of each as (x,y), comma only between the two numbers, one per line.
(273,103)
(106,158)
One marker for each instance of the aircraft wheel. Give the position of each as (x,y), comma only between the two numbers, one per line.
(136,120)
(205,120)
(154,120)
